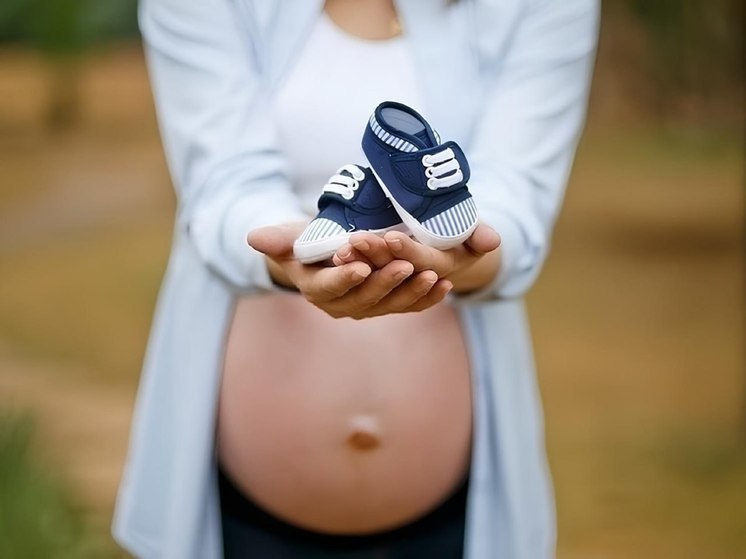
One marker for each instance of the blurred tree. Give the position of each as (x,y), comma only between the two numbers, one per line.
(63,30)
(695,49)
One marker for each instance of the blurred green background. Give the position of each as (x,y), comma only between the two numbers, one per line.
(638,317)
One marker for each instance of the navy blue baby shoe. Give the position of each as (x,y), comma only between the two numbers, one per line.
(424,179)
(351,201)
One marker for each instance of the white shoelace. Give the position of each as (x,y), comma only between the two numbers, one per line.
(440,167)
(342,184)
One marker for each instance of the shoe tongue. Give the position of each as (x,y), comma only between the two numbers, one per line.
(427,138)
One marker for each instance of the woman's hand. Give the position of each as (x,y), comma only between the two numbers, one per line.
(469,266)
(353,289)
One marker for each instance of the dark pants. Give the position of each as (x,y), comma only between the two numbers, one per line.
(252,533)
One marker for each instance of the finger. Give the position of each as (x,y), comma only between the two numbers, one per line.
(406,295)
(320,285)
(276,241)
(423,257)
(380,283)
(433,297)
(484,239)
(347,254)
(373,247)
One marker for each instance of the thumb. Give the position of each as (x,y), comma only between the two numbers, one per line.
(275,241)
(484,239)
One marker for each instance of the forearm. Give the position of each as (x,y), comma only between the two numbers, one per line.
(221,144)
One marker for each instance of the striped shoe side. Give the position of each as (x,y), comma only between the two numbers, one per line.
(454,221)
(320,228)
(394,141)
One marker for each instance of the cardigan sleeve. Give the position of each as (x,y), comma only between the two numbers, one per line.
(528,129)
(217,132)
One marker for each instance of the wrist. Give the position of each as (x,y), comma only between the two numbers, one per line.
(478,274)
(278,274)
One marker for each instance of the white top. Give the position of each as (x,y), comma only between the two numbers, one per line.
(322,77)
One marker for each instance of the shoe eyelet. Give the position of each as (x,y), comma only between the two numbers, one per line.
(426,161)
(429,171)
(430,184)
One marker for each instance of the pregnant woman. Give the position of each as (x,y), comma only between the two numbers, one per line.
(383,403)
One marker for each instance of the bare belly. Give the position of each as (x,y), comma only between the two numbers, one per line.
(344,426)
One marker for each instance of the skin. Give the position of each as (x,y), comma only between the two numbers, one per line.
(373,276)
(375,20)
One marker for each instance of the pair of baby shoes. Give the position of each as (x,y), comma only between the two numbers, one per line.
(415,184)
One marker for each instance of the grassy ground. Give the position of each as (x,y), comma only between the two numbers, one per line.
(39,517)
(638,316)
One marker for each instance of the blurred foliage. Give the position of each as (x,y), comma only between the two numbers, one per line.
(63,30)
(37,517)
(692,57)
(66,26)
(695,48)
(688,36)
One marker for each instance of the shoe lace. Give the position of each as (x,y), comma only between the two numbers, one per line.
(345,185)
(442,169)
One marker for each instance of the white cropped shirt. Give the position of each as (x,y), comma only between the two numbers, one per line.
(324,102)
(507,79)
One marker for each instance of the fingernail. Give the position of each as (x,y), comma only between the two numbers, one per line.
(357,274)
(361,245)
(401,275)
(345,253)
(395,244)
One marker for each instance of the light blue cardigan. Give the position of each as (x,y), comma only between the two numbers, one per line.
(508,79)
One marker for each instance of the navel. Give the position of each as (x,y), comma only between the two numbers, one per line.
(365,433)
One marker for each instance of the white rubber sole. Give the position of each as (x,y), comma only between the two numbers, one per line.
(418,231)
(323,249)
